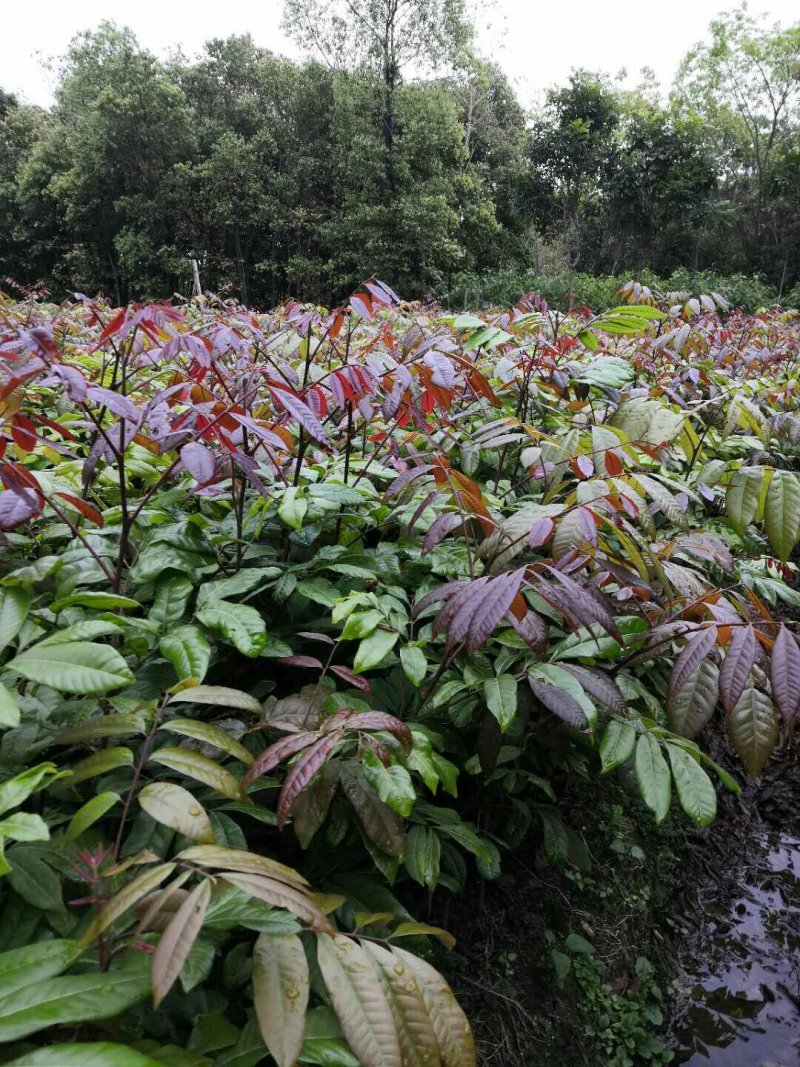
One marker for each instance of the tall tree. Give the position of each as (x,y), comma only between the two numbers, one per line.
(388,38)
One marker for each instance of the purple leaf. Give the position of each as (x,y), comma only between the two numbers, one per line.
(439,529)
(559,701)
(785,675)
(277,753)
(302,772)
(735,671)
(356,680)
(115,402)
(694,652)
(302,413)
(540,532)
(198,461)
(404,479)
(598,685)
(492,607)
(17,506)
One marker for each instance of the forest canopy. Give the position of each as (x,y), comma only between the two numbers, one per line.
(395,150)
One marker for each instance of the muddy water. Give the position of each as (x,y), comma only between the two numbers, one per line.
(739,990)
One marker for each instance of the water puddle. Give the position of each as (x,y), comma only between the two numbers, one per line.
(739,991)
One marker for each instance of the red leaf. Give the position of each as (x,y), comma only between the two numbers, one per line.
(490,609)
(302,772)
(597,685)
(24,433)
(85,509)
(361,303)
(275,754)
(300,661)
(113,326)
(583,603)
(354,679)
(785,675)
(312,635)
(381,720)
(735,671)
(613,463)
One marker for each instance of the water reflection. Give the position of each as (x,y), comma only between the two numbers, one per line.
(741,990)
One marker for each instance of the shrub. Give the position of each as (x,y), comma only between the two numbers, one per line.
(299,611)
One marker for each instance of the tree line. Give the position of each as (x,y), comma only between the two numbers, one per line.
(394,150)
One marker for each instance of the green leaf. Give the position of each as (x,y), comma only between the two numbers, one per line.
(219,695)
(89,813)
(782,513)
(9,708)
(610,371)
(108,759)
(741,498)
(696,793)
(753,729)
(319,590)
(616,745)
(44,959)
(17,789)
(82,631)
(15,602)
(102,726)
(201,768)
(237,623)
(247,1052)
(86,1054)
(198,965)
(188,650)
(34,880)
(373,649)
(392,784)
(415,666)
(89,599)
(244,581)
(170,602)
(652,774)
(501,699)
(423,855)
(77,667)
(209,735)
(361,624)
(74,999)
(293,506)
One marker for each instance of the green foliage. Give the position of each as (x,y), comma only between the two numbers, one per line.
(303,612)
(396,150)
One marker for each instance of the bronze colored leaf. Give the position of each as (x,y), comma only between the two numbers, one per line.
(453,1033)
(359,1001)
(280,994)
(178,938)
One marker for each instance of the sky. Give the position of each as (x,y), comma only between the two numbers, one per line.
(536,42)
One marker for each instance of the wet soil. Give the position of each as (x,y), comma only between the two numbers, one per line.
(737,1002)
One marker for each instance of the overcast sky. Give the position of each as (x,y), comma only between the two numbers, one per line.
(537,42)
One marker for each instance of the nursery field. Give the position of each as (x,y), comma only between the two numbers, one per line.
(310,618)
